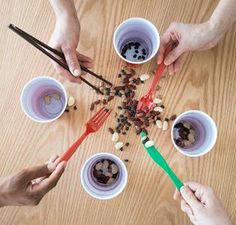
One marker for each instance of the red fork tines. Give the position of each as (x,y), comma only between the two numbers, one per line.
(92,126)
(98,119)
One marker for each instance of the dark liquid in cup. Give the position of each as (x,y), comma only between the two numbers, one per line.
(185,134)
(135,50)
(105,172)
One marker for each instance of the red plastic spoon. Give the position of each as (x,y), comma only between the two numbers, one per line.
(145,103)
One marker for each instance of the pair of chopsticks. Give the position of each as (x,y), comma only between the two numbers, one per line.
(61,60)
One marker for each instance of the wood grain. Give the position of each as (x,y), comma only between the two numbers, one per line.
(206,82)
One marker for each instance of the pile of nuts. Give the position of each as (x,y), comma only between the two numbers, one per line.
(127,113)
(184,134)
(105,171)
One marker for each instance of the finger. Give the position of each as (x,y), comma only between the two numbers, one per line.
(32,173)
(65,73)
(72,61)
(53,158)
(165,39)
(176,195)
(186,208)
(173,55)
(189,197)
(192,219)
(194,186)
(85,61)
(86,64)
(84,58)
(50,182)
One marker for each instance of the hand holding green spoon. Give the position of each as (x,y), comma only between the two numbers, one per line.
(159,160)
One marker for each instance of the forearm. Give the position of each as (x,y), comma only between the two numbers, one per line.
(64,8)
(223,16)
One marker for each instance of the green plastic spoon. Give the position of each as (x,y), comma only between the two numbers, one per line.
(159,160)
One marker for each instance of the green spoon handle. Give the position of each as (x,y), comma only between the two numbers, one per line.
(158,159)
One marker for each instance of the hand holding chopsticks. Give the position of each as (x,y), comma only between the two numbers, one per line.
(60,59)
(65,38)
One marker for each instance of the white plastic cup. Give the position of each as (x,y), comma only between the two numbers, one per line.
(206,131)
(33,99)
(137,29)
(103,192)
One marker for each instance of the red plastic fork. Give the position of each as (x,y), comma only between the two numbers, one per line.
(92,126)
(145,103)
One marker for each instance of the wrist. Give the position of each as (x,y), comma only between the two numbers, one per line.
(67,19)
(212,32)
(213,26)
(64,8)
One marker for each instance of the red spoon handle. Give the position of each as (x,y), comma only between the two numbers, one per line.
(70,151)
(160,68)
(157,77)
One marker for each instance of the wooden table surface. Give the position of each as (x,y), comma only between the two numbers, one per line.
(206,82)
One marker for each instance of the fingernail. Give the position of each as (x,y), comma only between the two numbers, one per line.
(51,166)
(76,72)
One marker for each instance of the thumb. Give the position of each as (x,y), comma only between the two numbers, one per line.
(34,172)
(189,197)
(173,55)
(72,61)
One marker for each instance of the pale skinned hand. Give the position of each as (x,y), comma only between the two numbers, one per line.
(201,205)
(22,188)
(189,37)
(65,38)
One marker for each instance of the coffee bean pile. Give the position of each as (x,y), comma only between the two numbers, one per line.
(127,113)
(105,171)
(184,134)
(134,51)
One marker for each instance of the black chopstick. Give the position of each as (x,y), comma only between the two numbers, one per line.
(55,51)
(40,46)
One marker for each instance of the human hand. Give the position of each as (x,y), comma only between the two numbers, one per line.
(23,187)
(189,37)
(65,38)
(201,205)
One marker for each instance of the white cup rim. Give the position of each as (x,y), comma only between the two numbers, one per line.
(38,78)
(213,141)
(124,169)
(153,54)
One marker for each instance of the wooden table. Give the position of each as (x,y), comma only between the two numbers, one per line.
(206,82)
